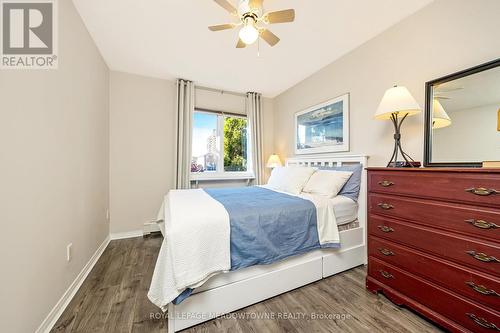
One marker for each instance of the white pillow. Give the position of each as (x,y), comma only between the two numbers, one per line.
(290,179)
(327,182)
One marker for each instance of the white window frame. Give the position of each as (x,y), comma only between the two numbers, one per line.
(220,174)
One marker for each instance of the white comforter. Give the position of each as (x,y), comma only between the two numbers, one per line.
(196,242)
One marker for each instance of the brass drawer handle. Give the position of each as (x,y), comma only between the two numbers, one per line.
(482,224)
(384,228)
(385,206)
(387,275)
(482,289)
(385,183)
(482,191)
(386,252)
(482,322)
(482,256)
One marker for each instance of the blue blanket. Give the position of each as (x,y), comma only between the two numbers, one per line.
(266,226)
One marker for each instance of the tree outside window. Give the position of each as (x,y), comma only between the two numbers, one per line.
(235,144)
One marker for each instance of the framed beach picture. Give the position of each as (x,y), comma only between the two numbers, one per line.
(323,128)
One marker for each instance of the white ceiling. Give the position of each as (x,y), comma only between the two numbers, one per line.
(170,39)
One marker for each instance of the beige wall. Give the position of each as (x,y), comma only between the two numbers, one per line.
(219,101)
(444,37)
(54,174)
(142,144)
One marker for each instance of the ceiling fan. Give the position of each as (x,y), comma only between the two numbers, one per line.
(251,17)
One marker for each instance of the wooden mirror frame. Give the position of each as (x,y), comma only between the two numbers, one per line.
(428,114)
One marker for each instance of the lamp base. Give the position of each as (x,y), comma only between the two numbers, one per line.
(408,161)
(404,164)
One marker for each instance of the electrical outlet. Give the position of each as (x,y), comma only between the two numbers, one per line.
(69,252)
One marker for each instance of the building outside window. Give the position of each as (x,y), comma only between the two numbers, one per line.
(220,146)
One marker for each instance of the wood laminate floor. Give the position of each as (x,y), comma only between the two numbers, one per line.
(113,299)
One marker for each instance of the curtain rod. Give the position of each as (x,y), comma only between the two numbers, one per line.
(234,114)
(220,91)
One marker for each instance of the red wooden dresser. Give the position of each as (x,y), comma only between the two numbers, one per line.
(434,243)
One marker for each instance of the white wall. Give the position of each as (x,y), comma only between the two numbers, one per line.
(444,37)
(471,137)
(142,144)
(54,174)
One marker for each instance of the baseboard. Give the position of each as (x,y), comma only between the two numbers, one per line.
(126,234)
(49,322)
(63,302)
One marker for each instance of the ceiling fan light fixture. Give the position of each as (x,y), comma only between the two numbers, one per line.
(249,33)
(252,17)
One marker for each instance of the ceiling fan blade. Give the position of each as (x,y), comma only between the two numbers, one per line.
(447,90)
(282,16)
(269,37)
(227,6)
(255,4)
(240,44)
(221,27)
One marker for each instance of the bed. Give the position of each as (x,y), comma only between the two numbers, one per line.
(232,290)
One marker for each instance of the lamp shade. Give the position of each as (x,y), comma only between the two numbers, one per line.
(274,161)
(440,118)
(397,100)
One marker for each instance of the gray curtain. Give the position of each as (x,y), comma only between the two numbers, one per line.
(254,114)
(184,117)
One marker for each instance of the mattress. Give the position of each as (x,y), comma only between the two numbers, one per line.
(346,209)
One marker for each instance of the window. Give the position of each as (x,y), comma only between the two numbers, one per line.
(220,146)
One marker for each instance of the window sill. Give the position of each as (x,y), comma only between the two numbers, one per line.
(226,176)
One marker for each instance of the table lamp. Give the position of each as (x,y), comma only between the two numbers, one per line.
(273,161)
(396,105)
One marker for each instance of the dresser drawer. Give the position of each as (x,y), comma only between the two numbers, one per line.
(472,284)
(466,313)
(482,255)
(470,220)
(475,188)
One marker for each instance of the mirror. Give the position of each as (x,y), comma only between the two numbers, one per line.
(462,118)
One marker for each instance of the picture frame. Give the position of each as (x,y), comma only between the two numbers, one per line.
(498,121)
(323,128)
